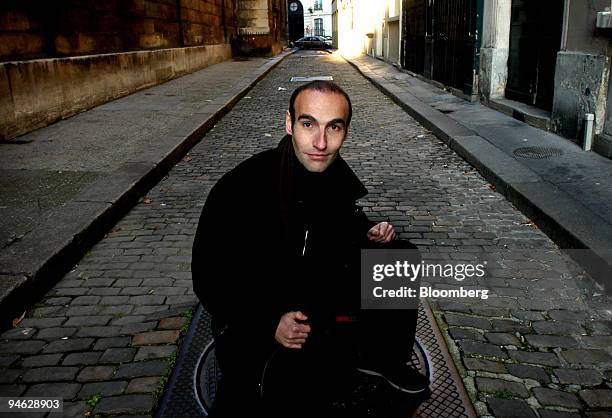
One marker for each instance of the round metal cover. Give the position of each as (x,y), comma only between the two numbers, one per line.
(537,152)
(208,375)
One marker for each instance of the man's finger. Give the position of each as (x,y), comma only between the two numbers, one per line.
(297,335)
(290,345)
(301,328)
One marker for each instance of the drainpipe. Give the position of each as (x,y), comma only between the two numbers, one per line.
(588,131)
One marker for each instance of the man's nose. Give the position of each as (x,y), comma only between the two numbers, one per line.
(320,141)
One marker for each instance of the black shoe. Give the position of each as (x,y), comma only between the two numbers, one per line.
(402,377)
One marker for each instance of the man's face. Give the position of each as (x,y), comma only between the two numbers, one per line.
(319,129)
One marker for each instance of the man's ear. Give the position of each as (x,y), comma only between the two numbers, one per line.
(288,127)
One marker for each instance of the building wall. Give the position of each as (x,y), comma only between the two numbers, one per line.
(32,29)
(583,74)
(309,18)
(58,58)
(262,27)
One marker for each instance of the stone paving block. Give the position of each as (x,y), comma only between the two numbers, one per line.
(82,358)
(10,375)
(502,338)
(483,349)
(545,359)
(66,391)
(551,341)
(21,347)
(156,337)
(484,365)
(104,343)
(50,374)
(118,355)
(51,334)
(578,376)
(20,333)
(72,410)
(489,385)
(558,328)
(597,398)
(143,384)
(102,388)
(510,408)
(467,321)
(106,332)
(41,360)
(96,373)
(129,404)
(547,413)
(86,300)
(130,319)
(466,334)
(12,390)
(585,356)
(68,345)
(153,352)
(528,372)
(43,322)
(172,323)
(507,325)
(88,321)
(551,397)
(141,369)
(6,361)
(138,327)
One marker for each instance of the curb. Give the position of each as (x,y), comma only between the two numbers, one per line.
(29,269)
(519,185)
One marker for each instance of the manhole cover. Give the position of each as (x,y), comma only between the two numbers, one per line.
(314,78)
(537,152)
(192,386)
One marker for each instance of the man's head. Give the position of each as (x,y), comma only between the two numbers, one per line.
(318,120)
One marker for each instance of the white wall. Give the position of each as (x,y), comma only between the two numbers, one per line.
(309,18)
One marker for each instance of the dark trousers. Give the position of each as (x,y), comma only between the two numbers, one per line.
(259,373)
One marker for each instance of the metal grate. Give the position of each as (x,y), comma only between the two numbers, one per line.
(193,384)
(537,152)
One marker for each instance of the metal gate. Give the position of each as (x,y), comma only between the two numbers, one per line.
(441,40)
(535,39)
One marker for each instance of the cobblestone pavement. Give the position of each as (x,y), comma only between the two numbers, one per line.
(540,348)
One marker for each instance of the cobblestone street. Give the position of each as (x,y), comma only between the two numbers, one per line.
(542,346)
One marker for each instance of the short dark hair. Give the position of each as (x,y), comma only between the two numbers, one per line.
(322,86)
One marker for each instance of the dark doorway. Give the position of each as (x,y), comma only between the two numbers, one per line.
(535,39)
(296,20)
(440,40)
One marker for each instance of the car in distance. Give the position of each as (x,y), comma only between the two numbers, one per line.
(311,42)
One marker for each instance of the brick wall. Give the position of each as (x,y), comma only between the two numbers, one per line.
(42,29)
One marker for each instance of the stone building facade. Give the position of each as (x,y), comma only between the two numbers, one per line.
(60,58)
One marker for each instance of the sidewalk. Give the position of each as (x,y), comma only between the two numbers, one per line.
(569,196)
(63,185)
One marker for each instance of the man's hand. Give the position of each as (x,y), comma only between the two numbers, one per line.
(382,233)
(291,333)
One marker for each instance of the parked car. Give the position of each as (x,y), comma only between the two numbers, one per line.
(328,40)
(311,42)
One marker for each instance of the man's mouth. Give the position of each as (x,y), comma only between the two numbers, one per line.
(318,157)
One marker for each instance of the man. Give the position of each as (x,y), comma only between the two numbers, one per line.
(276,262)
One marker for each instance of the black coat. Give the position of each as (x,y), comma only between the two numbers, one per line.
(251,262)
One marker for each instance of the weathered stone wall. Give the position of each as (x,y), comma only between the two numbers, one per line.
(261,27)
(36,93)
(46,29)
(582,74)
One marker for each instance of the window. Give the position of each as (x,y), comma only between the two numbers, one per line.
(318,5)
(319,27)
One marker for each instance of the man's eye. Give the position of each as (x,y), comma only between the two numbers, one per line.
(336,127)
(307,124)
